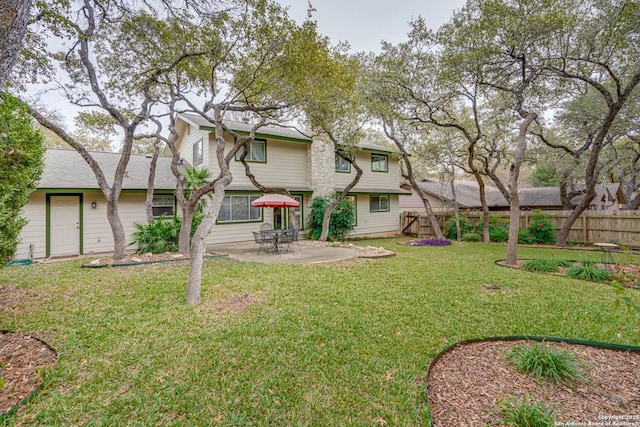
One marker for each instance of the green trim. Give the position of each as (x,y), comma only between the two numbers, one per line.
(48,221)
(261,219)
(262,135)
(67,191)
(386,156)
(380,196)
(355,208)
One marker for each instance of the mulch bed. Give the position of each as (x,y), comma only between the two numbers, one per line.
(24,363)
(141,259)
(466,384)
(627,275)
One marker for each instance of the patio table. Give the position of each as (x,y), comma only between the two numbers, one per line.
(274,236)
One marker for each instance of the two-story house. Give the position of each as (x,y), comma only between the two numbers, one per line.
(67,212)
(281,157)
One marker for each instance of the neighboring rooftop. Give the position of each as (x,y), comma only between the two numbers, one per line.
(468,194)
(67,169)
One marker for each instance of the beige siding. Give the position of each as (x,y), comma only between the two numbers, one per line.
(34,232)
(97,231)
(97,235)
(185,146)
(286,164)
(370,179)
(376,222)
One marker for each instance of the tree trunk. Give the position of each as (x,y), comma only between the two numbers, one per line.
(514,199)
(13,27)
(486,238)
(119,239)
(148,203)
(184,241)
(455,210)
(199,243)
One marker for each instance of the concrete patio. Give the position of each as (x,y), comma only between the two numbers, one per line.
(309,252)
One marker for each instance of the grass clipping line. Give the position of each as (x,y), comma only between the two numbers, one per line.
(543,362)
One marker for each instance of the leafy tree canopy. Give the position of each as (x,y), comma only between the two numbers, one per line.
(21,163)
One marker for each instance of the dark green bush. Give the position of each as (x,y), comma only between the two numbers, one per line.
(524,237)
(472,237)
(158,236)
(340,224)
(542,232)
(499,232)
(466,226)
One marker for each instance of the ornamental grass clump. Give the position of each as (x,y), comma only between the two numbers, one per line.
(588,271)
(526,413)
(545,264)
(546,363)
(430,242)
(539,265)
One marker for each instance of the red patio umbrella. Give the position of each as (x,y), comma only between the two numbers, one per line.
(275,201)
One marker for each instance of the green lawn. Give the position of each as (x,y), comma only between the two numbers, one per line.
(339,344)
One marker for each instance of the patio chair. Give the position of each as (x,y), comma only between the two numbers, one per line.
(286,240)
(295,238)
(261,241)
(266,226)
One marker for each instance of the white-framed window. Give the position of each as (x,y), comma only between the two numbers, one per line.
(197,152)
(342,165)
(163,204)
(298,211)
(379,162)
(237,208)
(256,151)
(379,203)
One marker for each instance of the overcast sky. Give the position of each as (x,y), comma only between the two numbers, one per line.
(364,23)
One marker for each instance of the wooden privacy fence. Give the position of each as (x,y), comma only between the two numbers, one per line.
(590,227)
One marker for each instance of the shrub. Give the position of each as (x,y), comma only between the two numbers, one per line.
(340,223)
(158,236)
(430,242)
(588,271)
(546,363)
(466,226)
(542,232)
(526,413)
(524,237)
(499,233)
(161,235)
(472,237)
